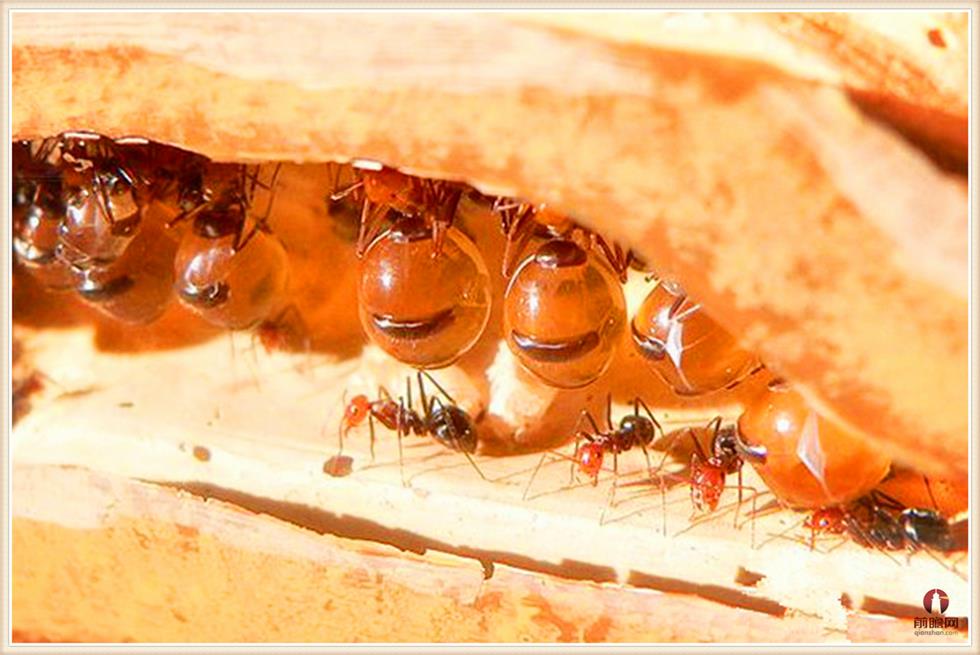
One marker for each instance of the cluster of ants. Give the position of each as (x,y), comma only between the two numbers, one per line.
(82,223)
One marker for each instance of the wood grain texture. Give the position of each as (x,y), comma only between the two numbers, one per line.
(102,558)
(821,237)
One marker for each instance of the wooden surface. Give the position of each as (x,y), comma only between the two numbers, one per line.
(268,423)
(694,150)
(103,558)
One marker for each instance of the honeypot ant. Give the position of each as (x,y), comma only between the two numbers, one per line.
(424,311)
(230,274)
(37,212)
(442,420)
(103,197)
(563,314)
(808,461)
(687,349)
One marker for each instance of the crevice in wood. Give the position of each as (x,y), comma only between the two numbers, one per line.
(717,593)
(928,131)
(351,527)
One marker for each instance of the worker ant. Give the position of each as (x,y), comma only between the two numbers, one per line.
(634,430)
(440,418)
(709,469)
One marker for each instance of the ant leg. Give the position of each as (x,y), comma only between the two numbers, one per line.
(102,197)
(447,199)
(611,498)
(518,236)
(371,217)
(932,498)
(646,409)
(646,456)
(609,421)
(425,403)
(408,394)
(264,221)
(571,464)
(698,449)
(346,191)
(534,474)
(714,426)
(738,507)
(438,386)
(241,241)
(398,429)
(882,499)
(371,432)
(612,255)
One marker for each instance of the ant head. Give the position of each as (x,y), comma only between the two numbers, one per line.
(725,450)
(387,186)
(589,458)
(826,519)
(356,411)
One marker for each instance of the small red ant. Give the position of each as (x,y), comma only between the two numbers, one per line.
(709,470)
(282,332)
(443,420)
(635,430)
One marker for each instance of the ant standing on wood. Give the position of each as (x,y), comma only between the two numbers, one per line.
(635,430)
(441,418)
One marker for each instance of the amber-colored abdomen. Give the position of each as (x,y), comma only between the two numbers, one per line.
(423,306)
(686,348)
(564,313)
(231,288)
(811,462)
